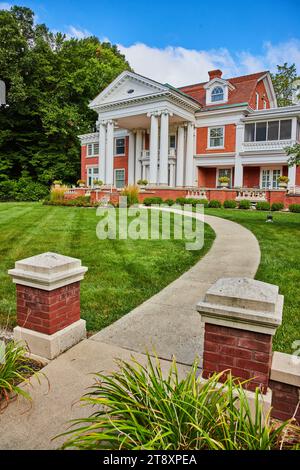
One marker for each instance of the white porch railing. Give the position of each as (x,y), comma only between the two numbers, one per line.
(294,190)
(267,145)
(196,194)
(146,153)
(254,195)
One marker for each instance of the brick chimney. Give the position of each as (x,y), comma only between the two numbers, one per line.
(215,74)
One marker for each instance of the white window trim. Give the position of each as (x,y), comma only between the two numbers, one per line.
(115,178)
(218,174)
(87,174)
(211,87)
(115,148)
(267,130)
(208,137)
(93,150)
(271,168)
(256,100)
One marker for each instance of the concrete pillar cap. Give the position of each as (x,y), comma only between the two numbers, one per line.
(243,303)
(47,271)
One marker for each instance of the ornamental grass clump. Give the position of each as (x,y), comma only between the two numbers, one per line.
(132,193)
(15,368)
(140,407)
(57,194)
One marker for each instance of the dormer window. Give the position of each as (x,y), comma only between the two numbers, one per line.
(217,94)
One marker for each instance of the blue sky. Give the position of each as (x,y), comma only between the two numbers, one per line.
(179,41)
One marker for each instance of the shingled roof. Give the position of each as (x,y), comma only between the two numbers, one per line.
(244,87)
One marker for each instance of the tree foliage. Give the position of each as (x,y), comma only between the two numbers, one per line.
(284,83)
(293,153)
(50,80)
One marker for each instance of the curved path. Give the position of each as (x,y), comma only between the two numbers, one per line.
(168,321)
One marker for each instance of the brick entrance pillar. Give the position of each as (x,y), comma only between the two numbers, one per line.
(48,303)
(240,317)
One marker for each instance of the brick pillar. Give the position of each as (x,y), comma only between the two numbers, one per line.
(240,317)
(48,303)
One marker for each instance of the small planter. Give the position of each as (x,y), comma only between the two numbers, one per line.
(224,185)
(282,185)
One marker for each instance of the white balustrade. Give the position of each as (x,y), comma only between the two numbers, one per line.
(267,145)
(254,195)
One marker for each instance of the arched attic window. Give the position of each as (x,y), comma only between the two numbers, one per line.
(217,94)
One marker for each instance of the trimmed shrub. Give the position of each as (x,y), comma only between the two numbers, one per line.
(294,207)
(263,206)
(215,204)
(181,201)
(277,206)
(169,202)
(230,204)
(148,201)
(244,204)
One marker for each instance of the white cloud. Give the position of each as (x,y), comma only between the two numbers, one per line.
(180,66)
(5,6)
(73,32)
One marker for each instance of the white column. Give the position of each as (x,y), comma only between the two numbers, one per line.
(131,159)
(180,156)
(164,148)
(292,176)
(102,149)
(238,172)
(110,153)
(189,164)
(138,154)
(238,166)
(153,148)
(172,175)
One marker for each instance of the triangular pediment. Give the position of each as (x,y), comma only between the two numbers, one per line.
(128,86)
(218,81)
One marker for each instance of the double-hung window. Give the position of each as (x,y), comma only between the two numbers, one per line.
(92,150)
(120,146)
(120,178)
(216,137)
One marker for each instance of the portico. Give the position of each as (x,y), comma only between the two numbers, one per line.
(159,123)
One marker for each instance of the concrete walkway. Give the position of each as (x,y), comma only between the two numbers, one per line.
(168,322)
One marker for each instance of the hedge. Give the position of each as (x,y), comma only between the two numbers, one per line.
(214,203)
(263,206)
(294,207)
(277,206)
(230,204)
(22,190)
(244,204)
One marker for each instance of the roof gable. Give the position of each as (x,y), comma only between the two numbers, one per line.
(240,91)
(128,86)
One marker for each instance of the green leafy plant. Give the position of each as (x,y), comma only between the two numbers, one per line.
(58,182)
(263,206)
(169,202)
(224,179)
(80,182)
(149,201)
(139,407)
(98,182)
(230,204)
(277,206)
(132,193)
(283,179)
(14,368)
(244,204)
(294,207)
(142,182)
(214,204)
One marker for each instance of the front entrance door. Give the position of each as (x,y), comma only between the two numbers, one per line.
(93,173)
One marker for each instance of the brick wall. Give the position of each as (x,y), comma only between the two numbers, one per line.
(48,311)
(261,90)
(247,354)
(202,142)
(285,399)
(251,176)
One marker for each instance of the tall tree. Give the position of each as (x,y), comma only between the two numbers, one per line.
(50,81)
(284,83)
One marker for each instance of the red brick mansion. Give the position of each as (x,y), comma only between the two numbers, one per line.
(189,137)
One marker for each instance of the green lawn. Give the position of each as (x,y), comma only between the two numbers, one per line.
(280,263)
(122,274)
